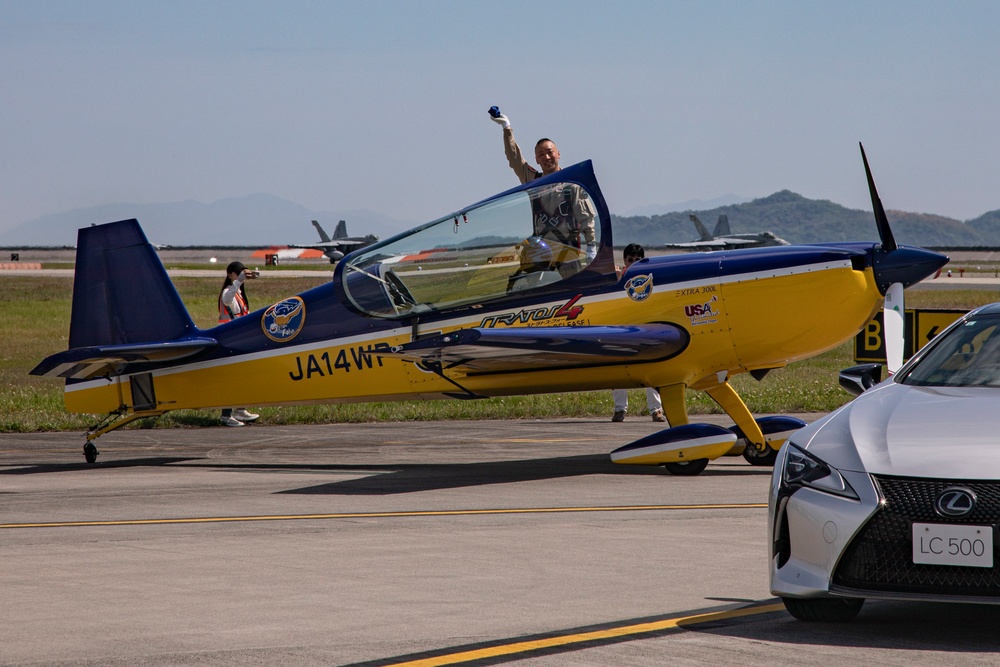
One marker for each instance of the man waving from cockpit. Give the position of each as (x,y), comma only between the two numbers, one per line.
(562,212)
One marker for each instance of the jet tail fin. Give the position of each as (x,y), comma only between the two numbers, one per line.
(702,230)
(322,232)
(722,226)
(121,292)
(341,231)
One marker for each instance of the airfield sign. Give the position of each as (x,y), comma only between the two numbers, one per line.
(919,327)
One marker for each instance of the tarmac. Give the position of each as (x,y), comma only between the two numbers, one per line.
(426,543)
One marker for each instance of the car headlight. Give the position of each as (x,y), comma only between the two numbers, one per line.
(805,470)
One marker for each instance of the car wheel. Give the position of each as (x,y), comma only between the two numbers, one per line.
(826,610)
(687,468)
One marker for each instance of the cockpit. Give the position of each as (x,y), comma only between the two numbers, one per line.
(526,239)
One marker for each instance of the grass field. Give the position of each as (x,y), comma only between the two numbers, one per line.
(35,311)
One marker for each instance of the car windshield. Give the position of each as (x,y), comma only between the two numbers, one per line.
(524,240)
(967,356)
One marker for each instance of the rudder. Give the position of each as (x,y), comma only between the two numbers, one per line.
(121,291)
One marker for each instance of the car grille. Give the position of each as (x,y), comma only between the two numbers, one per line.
(880,558)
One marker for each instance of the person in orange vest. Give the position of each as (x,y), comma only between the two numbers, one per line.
(232,304)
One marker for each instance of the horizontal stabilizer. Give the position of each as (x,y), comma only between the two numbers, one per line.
(83,363)
(539,348)
(679,444)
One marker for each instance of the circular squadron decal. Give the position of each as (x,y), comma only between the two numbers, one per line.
(284,320)
(640,287)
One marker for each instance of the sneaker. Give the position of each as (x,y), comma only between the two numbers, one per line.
(245,416)
(657,416)
(231,421)
(619,416)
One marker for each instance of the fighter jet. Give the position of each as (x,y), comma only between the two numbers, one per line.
(724,239)
(340,244)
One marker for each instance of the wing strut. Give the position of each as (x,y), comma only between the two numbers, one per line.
(436,368)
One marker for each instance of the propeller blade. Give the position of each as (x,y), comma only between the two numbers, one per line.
(892,321)
(884,231)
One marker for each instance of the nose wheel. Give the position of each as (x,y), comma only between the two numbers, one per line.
(90,452)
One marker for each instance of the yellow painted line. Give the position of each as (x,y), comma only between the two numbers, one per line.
(546,440)
(378,515)
(533,645)
(498,440)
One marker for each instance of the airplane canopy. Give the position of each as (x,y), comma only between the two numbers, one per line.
(535,235)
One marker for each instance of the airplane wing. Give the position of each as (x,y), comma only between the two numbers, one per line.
(337,243)
(715,244)
(734,242)
(83,363)
(721,243)
(539,348)
(323,245)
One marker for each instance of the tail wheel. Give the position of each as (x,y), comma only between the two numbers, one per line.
(686,468)
(90,452)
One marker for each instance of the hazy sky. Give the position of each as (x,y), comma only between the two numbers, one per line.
(382,105)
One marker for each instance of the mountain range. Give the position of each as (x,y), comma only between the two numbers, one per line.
(799,220)
(254,220)
(265,220)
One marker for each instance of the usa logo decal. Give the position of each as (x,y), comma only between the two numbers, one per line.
(284,320)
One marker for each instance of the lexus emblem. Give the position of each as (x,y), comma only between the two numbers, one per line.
(955,501)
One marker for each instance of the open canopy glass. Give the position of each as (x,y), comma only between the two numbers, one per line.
(528,238)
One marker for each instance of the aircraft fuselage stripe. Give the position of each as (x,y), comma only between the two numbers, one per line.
(401,329)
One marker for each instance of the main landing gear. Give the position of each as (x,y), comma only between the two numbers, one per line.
(686,468)
(756,457)
(776,430)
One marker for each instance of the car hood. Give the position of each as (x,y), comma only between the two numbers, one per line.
(893,429)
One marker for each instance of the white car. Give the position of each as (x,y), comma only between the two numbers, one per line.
(896,495)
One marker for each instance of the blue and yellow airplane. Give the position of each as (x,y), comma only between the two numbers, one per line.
(517,294)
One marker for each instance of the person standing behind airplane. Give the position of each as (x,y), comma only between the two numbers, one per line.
(233,303)
(565,214)
(633,253)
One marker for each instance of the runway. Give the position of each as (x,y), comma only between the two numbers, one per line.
(429,543)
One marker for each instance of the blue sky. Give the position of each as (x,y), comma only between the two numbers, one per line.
(382,105)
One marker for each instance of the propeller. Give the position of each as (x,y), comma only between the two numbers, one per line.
(892,327)
(892,310)
(884,232)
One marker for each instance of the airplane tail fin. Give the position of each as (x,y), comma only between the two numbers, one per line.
(341,231)
(126,314)
(702,230)
(121,292)
(722,226)
(322,232)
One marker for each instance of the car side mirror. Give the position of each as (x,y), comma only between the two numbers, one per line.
(856,379)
